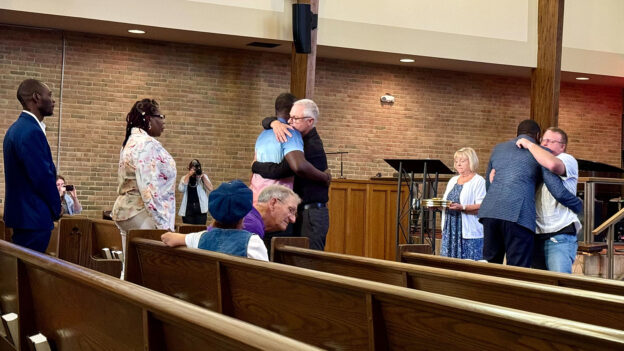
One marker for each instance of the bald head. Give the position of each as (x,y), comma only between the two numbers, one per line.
(35,97)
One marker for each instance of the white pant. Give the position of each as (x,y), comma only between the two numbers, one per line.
(143,220)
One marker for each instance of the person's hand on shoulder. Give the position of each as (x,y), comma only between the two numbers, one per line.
(281,131)
(523,143)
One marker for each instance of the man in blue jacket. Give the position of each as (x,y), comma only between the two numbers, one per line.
(32,202)
(508,209)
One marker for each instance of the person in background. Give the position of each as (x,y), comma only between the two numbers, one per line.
(311,185)
(556,228)
(228,205)
(31,202)
(69,201)
(146,175)
(508,209)
(275,210)
(462,234)
(195,186)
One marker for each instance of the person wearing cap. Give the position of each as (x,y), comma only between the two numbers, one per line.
(228,205)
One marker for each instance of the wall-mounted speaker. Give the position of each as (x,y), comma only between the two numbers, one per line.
(302,19)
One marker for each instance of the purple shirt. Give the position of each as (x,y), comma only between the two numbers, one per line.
(252,222)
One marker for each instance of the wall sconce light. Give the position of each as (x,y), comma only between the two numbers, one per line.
(388,99)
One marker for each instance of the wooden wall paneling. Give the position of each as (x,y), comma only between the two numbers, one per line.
(337,233)
(377,223)
(356,220)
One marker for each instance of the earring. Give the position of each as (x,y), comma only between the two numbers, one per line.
(149,127)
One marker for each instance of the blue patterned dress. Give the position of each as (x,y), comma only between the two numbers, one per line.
(453,245)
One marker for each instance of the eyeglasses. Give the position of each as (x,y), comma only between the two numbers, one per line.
(295,119)
(550,141)
(291,209)
(159,116)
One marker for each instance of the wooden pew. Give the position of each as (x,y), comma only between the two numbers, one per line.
(518,273)
(190,228)
(337,312)
(80,241)
(104,234)
(80,309)
(582,306)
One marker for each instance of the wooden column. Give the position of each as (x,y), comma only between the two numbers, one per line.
(303,66)
(545,79)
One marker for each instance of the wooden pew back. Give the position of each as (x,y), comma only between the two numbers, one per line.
(190,228)
(80,309)
(518,273)
(583,306)
(338,312)
(104,234)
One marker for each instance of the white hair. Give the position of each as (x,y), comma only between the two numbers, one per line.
(279,192)
(309,108)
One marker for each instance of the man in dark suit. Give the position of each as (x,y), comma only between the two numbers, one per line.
(508,209)
(32,201)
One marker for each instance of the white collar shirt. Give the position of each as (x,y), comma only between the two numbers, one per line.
(41,124)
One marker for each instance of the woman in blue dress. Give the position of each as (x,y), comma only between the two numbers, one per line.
(462,234)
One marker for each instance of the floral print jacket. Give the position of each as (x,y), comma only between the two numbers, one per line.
(147,179)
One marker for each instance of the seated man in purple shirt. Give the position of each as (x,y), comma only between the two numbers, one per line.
(276,207)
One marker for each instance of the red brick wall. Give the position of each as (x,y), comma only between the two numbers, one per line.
(214,99)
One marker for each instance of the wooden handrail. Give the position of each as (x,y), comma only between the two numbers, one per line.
(609,222)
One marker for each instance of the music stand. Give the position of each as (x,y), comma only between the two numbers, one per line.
(407,168)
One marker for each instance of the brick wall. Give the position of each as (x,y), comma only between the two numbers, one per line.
(214,99)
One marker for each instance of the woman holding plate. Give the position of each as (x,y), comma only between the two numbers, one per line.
(462,234)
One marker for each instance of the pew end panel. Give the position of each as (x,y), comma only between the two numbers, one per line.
(104,234)
(73,240)
(280,241)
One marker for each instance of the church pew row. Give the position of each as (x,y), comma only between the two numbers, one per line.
(81,240)
(80,309)
(518,273)
(578,305)
(343,313)
(190,228)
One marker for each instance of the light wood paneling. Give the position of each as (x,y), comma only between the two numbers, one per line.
(362,217)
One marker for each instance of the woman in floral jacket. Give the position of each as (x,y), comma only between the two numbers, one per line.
(146,175)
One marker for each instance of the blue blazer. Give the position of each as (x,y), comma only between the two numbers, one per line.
(31,198)
(511,196)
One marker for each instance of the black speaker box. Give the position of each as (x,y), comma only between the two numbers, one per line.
(302,28)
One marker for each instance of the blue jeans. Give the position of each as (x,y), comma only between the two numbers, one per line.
(556,253)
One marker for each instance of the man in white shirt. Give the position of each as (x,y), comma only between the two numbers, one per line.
(557,226)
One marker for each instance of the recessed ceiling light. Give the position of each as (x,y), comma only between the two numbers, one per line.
(582,78)
(136,31)
(406,60)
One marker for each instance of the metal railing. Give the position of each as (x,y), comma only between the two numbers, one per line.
(609,225)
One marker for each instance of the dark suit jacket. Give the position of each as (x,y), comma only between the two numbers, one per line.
(511,196)
(31,198)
